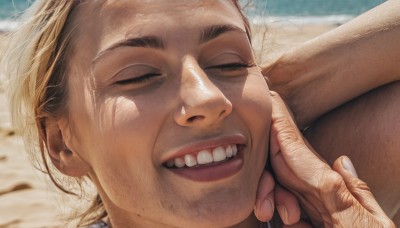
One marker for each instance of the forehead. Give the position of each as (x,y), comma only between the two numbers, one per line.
(116,19)
(119,9)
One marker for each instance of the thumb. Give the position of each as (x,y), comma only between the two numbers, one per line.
(358,188)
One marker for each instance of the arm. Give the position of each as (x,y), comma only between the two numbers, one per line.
(340,65)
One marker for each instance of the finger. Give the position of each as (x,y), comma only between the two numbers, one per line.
(287,206)
(358,188)
(264,208)
(290,156)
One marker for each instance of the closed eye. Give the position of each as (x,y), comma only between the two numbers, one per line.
(231,66)
(139,80)
(234,69)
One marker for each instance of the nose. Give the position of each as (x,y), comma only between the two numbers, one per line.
(203,104)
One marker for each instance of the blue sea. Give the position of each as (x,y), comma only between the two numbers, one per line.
(259,11)
(308,11)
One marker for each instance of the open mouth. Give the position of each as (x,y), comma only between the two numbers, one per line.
(205,157)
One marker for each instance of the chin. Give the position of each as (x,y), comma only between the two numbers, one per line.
(223,219)
(222,211)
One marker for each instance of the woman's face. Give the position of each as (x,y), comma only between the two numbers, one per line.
(162,95)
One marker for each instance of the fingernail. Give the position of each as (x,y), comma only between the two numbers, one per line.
(266,206)
(283,213)
(257,208)
(348,165)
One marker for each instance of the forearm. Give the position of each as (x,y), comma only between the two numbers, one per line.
(340,65)
(366,130)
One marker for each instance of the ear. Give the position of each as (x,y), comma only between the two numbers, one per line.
(65,159)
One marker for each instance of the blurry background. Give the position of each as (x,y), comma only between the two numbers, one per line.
(316,8)
(306,11)
(9,12)
(25,198)
(282,24)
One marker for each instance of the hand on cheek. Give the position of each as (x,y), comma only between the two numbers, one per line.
(333,198)
(271,195)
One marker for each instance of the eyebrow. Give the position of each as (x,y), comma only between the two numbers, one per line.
(214,31)
(151,41)
(144,41)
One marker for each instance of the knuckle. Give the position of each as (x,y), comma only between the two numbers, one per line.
(286,132)
(330,183)
(361,185)
(360,188)
(333,191)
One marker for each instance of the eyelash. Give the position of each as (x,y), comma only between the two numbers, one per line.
(146,77)
(231,66)
(138,80)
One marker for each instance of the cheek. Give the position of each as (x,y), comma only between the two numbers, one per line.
(255,103)
(255,107)
(115,132)
(117,119)
(126,127)
(122,136)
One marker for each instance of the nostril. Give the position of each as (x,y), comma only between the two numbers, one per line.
(193,118)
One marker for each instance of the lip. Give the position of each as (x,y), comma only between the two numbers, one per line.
(214,171)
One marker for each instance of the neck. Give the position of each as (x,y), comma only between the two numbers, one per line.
(250,222)
(118,217)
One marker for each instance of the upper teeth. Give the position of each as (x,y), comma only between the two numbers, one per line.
(204,157)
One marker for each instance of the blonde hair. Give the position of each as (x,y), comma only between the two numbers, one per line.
(36,63)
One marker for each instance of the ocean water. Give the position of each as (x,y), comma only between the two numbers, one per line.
(260,11)
(10,10)
(308,11)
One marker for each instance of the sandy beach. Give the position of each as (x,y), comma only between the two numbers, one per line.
(27,200)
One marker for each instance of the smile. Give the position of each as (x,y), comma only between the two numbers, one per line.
(208,160)
(204,157)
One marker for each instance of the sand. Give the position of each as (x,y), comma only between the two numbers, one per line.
(26,200)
